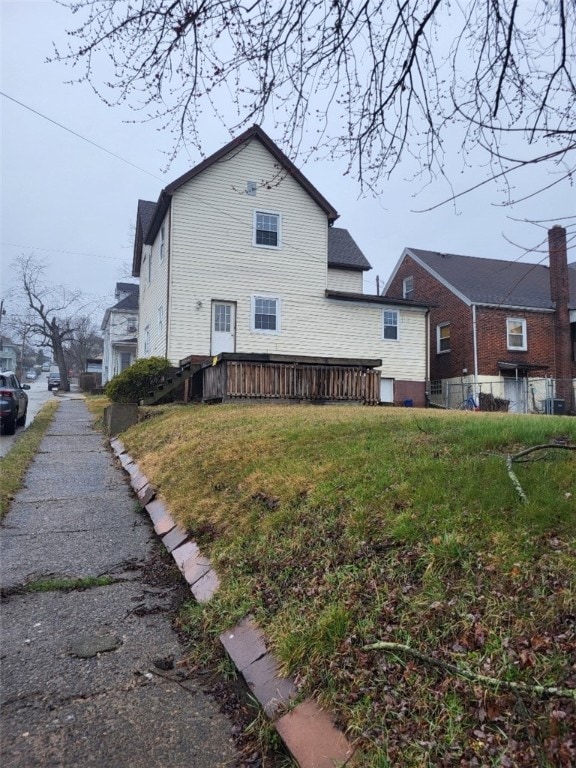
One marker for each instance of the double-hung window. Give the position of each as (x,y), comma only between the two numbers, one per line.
(267,229)
(390,324)
(443,338)
(516,334)
(266,314)
(408,287)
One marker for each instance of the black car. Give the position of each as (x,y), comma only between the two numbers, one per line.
(13,402)
(53,380)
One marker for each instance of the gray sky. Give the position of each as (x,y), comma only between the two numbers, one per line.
(74,205)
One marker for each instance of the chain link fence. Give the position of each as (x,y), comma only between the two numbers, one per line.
(506,395)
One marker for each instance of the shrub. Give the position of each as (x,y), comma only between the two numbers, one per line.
(138,380)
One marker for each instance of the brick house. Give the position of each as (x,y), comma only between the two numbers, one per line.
(498,329)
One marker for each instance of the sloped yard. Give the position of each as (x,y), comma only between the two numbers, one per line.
(341,527)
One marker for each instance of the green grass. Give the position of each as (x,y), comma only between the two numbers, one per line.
(67,584)
(13,466)
(338,527)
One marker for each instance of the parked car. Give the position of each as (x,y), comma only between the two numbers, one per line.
(30,375)
(13,402)
(53,380)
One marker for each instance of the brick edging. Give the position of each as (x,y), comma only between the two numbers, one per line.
(307,730)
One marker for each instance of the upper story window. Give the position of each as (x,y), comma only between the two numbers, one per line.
(408,287)
(516,334)
(147,340)
(267,229)
(266,314)
(161,252)
(443,338)
(390,324)
(131,324)
(160,319)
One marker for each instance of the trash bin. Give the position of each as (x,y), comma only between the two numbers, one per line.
(408,403)
(555,406)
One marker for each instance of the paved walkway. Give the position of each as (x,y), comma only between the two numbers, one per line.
(65,699)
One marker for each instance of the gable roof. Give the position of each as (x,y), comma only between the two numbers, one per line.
(144,216)
(127,304)
(493,281)
(155,216)
(343,253)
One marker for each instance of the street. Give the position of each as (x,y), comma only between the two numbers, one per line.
(37,395)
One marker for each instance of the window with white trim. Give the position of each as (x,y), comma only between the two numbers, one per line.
(267,229)
(266,314)
(443,331)
(516,334)
(390,324)
(160,319)
(147,340)
(408,287)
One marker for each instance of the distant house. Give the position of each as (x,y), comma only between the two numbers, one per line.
(504,330)
(120,329)
(8,355)
(240,256)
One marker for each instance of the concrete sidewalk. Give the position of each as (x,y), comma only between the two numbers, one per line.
(90,677)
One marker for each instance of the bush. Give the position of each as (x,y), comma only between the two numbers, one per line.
(136,382)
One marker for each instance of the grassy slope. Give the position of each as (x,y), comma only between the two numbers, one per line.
(338,527)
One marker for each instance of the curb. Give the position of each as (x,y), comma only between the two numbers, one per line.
(307,731)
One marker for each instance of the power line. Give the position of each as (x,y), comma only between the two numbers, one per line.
(79,136)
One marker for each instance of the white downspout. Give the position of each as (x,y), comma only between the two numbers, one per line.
(475,343)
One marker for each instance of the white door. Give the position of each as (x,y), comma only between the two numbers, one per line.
(515,392)
(386,390)
(223,327)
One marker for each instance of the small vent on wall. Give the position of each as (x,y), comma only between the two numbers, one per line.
(251,188)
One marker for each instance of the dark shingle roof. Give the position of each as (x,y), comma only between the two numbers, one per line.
(494,281)
(128,303)
(126,287)
(343,253)
(144,216)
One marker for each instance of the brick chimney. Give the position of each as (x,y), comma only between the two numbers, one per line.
(560,295)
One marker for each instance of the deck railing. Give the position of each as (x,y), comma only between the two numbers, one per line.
(241,379)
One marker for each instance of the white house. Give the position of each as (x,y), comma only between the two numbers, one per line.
(120,328)
(241,254)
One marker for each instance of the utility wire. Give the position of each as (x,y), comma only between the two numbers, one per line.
(79,136)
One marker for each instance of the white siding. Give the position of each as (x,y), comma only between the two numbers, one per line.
(212,257)
(153,294)
(349,280)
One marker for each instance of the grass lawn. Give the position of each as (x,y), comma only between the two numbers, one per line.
(14,465)
(338,527)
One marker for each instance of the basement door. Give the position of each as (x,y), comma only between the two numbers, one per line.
(223,336)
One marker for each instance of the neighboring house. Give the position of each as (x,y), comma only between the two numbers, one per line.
(120,329)
(240,255)
(506,330)
(8,356)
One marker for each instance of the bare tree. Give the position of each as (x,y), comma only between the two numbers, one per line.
(48,312)
(373,81)
(85,343)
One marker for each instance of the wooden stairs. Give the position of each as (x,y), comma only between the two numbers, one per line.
(171,382)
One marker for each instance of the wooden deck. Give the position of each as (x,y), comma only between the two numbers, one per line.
(233,376)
